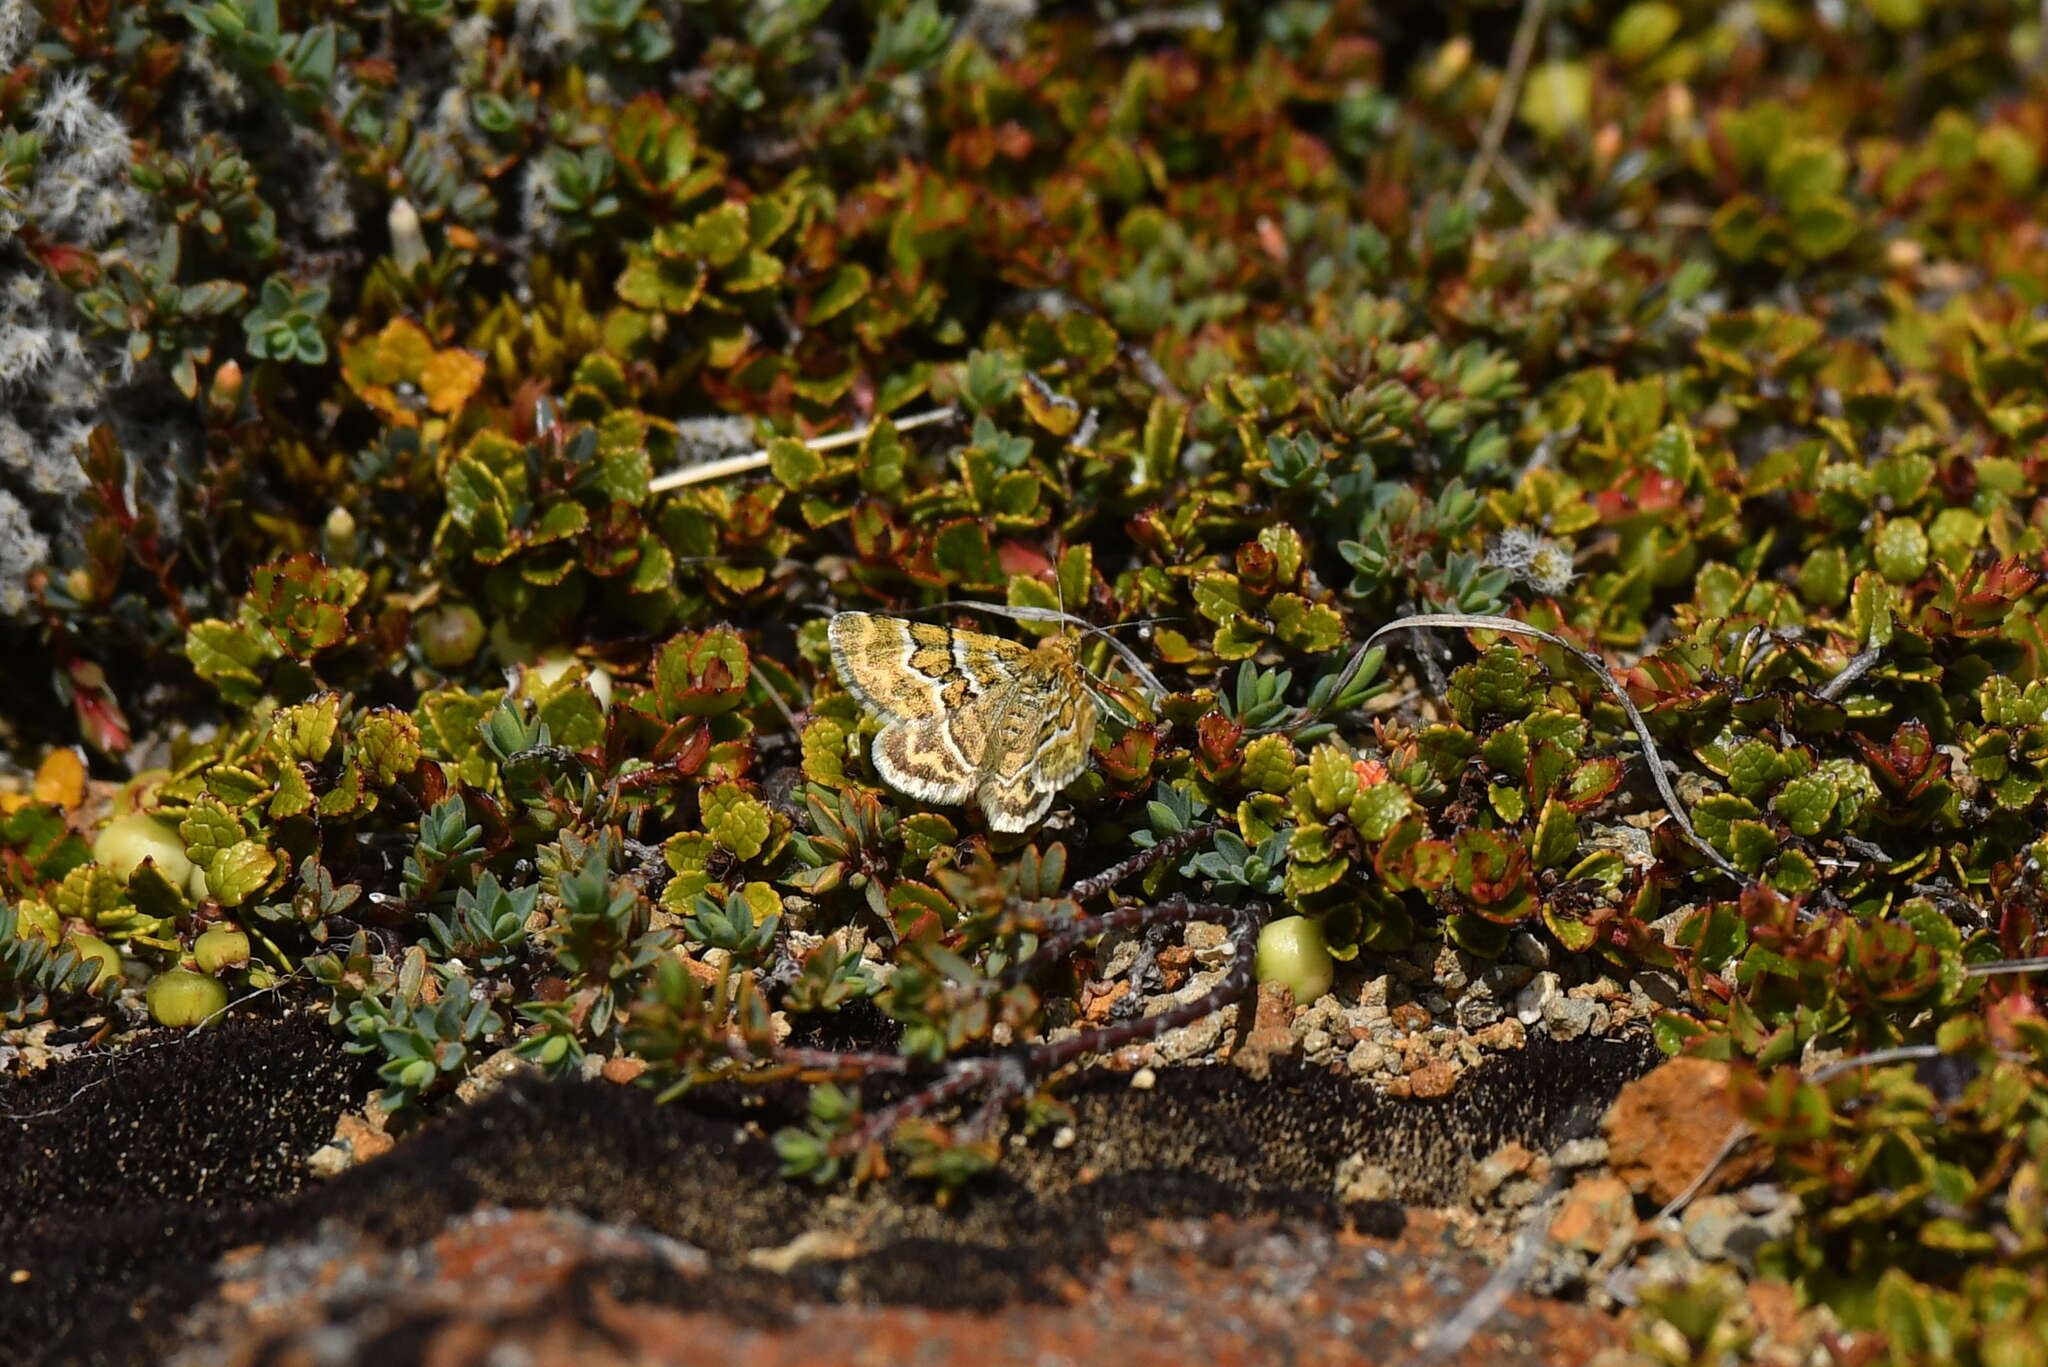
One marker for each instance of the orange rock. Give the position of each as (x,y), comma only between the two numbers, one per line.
(1269,1037)
(1274,1009)
(366,1139)
(1409,1017)
(1432,1079)
(1665,1128)
(1596,1208)
(623,1070)
(1096,1009)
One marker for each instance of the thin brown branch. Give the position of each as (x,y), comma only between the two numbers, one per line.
(1171,846)
(1010,1073)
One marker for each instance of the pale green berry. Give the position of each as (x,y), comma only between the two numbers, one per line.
(126,841)
(180,997)
(93,947)
(1291,951)
(449,635)
(221,946)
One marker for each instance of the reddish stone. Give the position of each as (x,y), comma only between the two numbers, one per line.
(366,1138)
(1665,1128)
(1410,1018)
(500,1285)
(1432,1079)
(1595,1210)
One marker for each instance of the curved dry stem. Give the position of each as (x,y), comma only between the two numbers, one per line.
(1471,621)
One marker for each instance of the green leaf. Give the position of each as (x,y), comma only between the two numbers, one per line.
(1378,808)
(207,828)
(1750,845)
(848,284)
(1331,779)
(240,871)
(719,235)
(661,286)
(1900,550)
(794,464)
(1311,628)
(909,902)
(236,786)
(1507,801)
(388,745)
(1670,453)
(1714,814)
(1501,683)
(1268,765)
(304,732)
(1642,30)
(229,655)
(882,458)
(736,819)
(1556,837)
(294,796)
(925,834)
(1219,597)
(1806,803)
(699,674)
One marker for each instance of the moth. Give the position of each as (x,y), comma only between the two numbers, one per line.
(967,715)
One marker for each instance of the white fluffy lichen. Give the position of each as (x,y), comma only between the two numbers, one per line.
(22,549)
(1533,559)
(55,378)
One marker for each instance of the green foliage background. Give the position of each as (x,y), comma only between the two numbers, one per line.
(339,343)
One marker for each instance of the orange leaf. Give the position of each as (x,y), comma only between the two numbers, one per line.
(61,779)
(450,378)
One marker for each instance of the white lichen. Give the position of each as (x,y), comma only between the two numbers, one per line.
(22,550)
(1533,559)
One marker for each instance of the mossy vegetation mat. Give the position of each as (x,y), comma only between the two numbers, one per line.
(934,564)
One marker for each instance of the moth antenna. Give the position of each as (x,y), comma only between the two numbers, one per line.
(1126,654)
(1136,622)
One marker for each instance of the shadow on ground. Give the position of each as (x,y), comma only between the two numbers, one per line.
(154,1201)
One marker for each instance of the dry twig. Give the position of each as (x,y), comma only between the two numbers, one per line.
(758,460)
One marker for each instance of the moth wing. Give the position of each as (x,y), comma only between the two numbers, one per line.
(1030,763)
(939,758)
(915,671)
(921,760)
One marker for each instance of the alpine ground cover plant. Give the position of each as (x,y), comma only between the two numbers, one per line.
(339,345)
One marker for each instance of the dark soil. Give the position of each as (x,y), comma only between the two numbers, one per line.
(126,1177)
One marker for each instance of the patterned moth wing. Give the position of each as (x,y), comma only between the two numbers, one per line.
(1042,739)
(935,689)
(967,715)
(909,671)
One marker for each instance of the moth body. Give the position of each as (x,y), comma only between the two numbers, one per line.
(968,716)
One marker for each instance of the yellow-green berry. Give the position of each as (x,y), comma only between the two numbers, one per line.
(181,997)
(126,841)
(449,635)
(93,947)
(1291,951)
(219,947)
